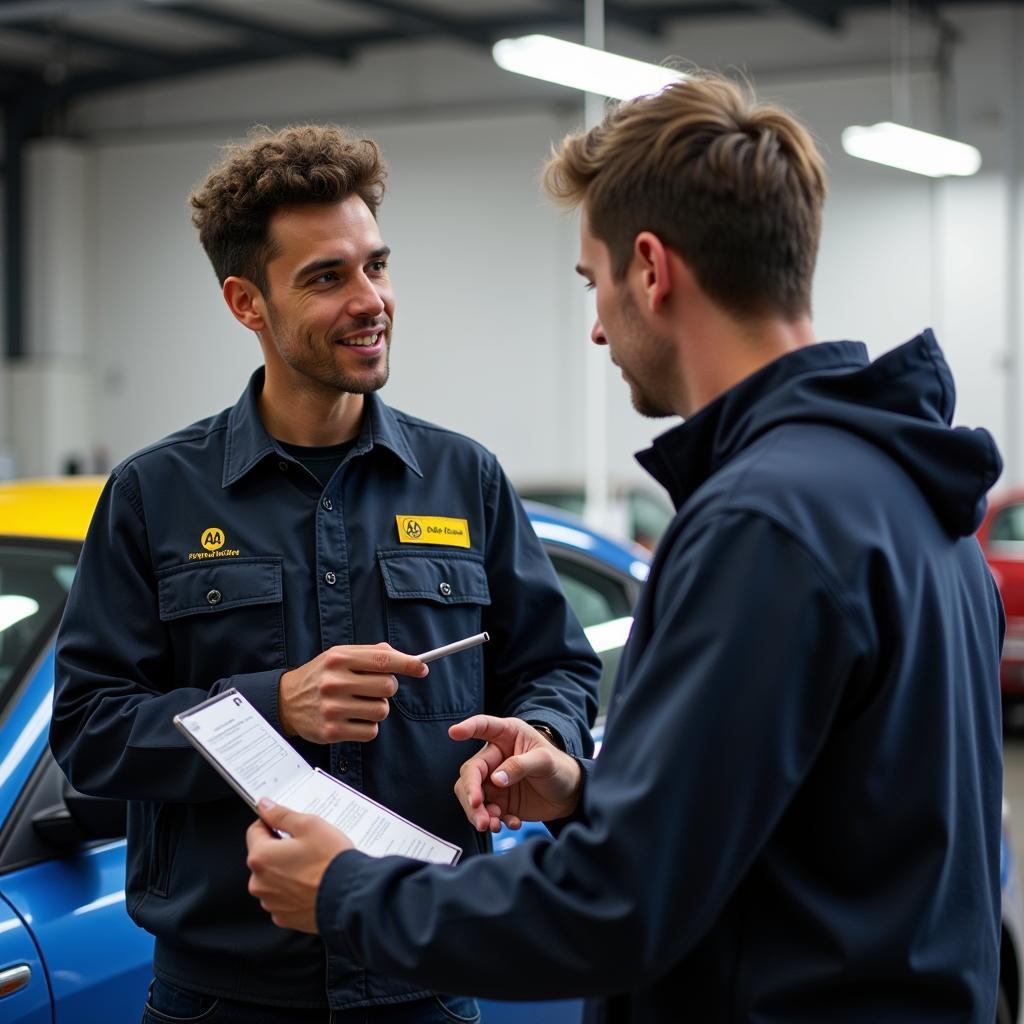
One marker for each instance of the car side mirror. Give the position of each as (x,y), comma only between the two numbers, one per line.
(79,819)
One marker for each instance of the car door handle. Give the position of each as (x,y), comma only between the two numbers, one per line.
(14,979)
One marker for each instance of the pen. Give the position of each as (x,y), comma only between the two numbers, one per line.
(459,645)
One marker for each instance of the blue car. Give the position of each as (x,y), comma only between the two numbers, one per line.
(69,954)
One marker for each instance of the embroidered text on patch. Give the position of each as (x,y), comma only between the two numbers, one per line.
(213,539)
(452,533)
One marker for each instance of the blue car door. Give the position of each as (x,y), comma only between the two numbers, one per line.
(24,992)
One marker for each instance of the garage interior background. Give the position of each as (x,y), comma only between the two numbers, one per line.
(113,109)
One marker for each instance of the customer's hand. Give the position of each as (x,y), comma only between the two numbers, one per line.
(286,873)
(516,776)
(342,694)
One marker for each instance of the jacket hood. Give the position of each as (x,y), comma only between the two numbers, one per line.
(902,402)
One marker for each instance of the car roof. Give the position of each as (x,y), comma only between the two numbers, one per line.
(568,531)
(56,508)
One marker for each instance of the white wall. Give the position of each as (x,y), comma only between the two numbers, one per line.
(491,325)
(479,266)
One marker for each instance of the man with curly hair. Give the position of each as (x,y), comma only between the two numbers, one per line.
(298,547)
(795,817)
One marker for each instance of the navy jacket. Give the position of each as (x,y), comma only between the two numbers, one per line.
(795,817)
(216,560)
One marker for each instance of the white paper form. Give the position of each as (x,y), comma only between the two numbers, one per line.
(372,827)
(244,744)
(257,761)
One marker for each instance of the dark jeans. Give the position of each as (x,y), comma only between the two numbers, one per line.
(168,1004)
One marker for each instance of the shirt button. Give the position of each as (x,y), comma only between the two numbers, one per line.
(214,596)
(330,578)
(446,589)
(342,766)
(327,504)
(283,466)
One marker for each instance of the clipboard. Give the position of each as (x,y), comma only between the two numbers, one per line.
(257,761)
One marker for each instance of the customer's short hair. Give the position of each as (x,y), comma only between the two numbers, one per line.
(734,186)
(302,164)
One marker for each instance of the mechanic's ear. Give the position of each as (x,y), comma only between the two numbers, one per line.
(246,302)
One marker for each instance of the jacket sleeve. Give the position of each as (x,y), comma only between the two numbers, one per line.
(709,738)
(114,692)
(539,665)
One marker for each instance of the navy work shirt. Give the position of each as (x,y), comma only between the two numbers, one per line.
(217,560)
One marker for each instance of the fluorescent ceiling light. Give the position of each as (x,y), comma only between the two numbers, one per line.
(582,67)
(911,150)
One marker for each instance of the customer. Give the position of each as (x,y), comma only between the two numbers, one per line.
(796,812)
(272,548)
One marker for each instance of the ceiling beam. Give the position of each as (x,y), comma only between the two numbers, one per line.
(646,18)
(263,42)
(269,37)
(41,98)
(647,21)
(122,49)
(14,11)
(824,15)
(422,19)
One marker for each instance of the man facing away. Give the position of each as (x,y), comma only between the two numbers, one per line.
(280,547)
(795,816)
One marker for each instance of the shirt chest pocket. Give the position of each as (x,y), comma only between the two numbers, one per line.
(435,598)
(224,618)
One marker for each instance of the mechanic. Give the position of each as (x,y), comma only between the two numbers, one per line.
(292,546)
(795,816)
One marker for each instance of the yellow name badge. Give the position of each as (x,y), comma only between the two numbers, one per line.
(452,533)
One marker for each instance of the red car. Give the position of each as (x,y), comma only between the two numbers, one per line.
(1002,539)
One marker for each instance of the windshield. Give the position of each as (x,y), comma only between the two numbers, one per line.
(34,583)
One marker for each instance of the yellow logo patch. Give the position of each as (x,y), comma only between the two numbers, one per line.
(452,533)
(213,540)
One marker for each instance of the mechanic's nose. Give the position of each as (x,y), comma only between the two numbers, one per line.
(367,301)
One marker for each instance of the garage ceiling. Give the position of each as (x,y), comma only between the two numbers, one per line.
(55,51)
